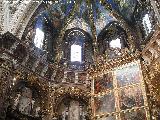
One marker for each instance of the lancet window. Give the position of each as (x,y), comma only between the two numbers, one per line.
(77,48)
(112,39)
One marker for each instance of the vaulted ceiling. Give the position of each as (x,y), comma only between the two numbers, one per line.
(16,14)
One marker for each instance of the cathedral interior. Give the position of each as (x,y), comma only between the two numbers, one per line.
(79,60)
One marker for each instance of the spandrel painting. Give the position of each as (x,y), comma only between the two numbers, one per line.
(128,75)
(105,104)
(134,115)
(130,97)
(108,118)
(104,83)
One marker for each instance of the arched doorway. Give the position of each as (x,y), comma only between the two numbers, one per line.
(72,109)
(71,103)
(26,101)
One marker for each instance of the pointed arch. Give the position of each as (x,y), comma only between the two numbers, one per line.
(81,41)
(112,36)
(20,22)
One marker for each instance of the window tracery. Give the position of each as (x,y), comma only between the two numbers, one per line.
(145,21)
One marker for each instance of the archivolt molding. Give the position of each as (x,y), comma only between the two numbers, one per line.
(17,14)
(2,16)
(24,14)
(9,9)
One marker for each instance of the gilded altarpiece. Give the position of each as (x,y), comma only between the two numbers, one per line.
(119,94)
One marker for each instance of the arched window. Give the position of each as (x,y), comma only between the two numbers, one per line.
(115,43)
(112,39)
(145,21)
(39,37)
(147,24)
(77,48)
(76,53)
(45,25)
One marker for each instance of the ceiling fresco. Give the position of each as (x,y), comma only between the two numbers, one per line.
(76,14)
(125,8)
(102,16)
(80,17)
(54,18)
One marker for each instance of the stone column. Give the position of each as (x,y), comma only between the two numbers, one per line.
(25,60)
(35,64)
(44,70)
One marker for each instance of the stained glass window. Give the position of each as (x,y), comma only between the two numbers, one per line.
(77,49)
(39,37)
(76,53)
(147,24)
(112,40)
(115,43)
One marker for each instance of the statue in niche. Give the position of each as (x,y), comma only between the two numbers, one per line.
(72,110)
(65,114)
(25,103)
(16,101)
